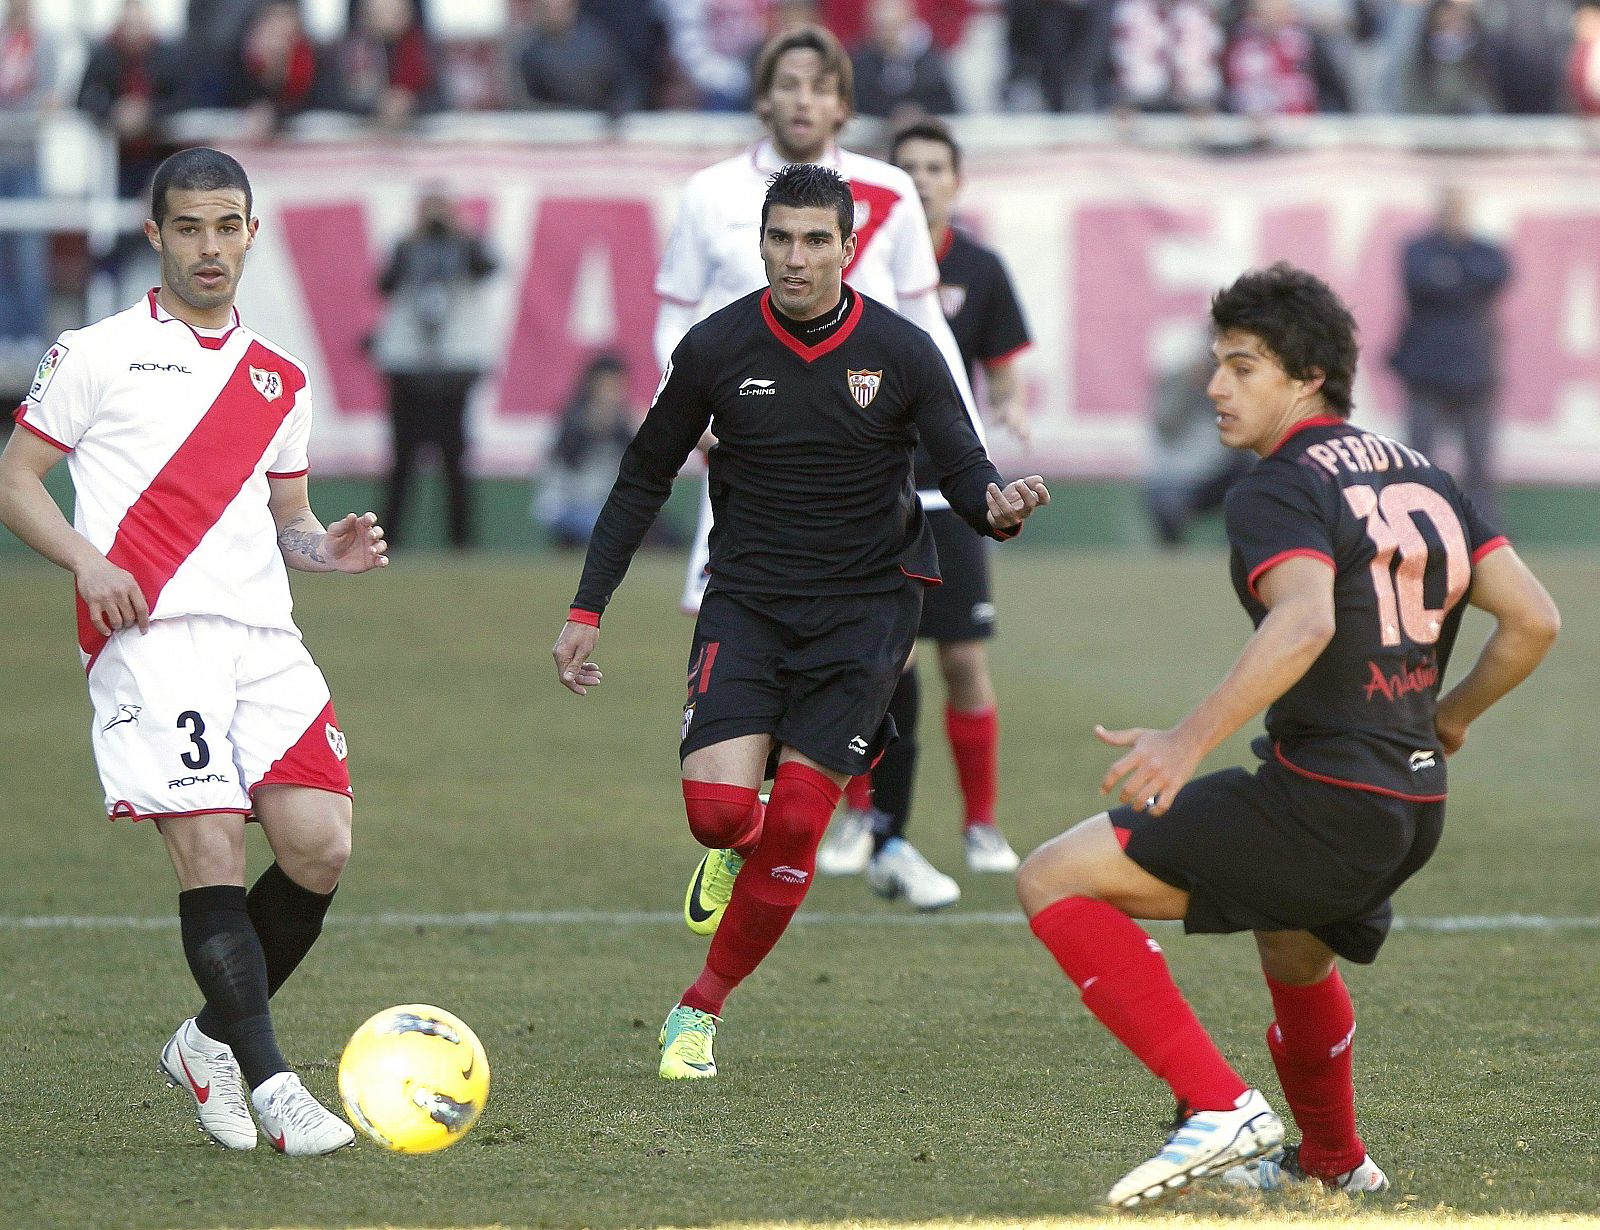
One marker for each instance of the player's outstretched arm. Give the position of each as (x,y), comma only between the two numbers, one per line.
(1526,625)
(112,596)
(1298,594)
(1010,507)
(353,544)
(571,653)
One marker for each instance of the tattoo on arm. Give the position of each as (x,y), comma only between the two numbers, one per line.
(304,543)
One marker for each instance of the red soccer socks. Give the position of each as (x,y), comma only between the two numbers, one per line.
(1125,982)
(771,885)
(1311,1043)
(975,747)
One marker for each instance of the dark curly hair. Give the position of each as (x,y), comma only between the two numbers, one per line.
(1300,320)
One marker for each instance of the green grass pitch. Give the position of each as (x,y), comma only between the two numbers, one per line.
(880,1069)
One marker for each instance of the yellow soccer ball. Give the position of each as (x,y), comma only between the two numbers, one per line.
(414,1078)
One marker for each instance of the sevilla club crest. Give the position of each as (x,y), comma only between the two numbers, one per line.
(864,386)
(268,383)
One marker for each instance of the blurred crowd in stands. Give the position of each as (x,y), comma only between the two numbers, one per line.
(394,60)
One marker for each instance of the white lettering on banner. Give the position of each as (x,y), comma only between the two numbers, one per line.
(1111,251)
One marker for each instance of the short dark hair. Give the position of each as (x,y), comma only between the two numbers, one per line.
(198,169)
(1300,320)
(809,185)
(926,130)
(835,62)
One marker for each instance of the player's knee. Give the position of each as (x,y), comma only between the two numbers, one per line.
(1071,865)
(966,675)
(721,816)
(317,856)
(1045,877)
(1294,958)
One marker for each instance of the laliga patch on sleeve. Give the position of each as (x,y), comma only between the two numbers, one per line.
(47,370)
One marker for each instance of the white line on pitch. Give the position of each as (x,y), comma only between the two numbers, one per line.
(585,918)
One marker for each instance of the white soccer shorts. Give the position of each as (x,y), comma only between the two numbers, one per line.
(196,714)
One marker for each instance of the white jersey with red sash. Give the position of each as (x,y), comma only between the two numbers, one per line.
(172,434)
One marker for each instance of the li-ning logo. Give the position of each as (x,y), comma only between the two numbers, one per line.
(792,875)
(1423,759)
(864,386)
(160,367)
(126,715)
(336,743)
(858,745)
(268,383)
(757,388)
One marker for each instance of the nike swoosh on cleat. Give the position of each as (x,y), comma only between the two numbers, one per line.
(695,912)
(276,1141)
(201,1092)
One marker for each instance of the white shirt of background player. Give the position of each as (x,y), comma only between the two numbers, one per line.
(714,256)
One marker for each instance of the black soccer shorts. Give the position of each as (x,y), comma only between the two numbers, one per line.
(816,673)
(1274,851)
(962,608)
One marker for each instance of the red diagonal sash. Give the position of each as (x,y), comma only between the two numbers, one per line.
(165,524)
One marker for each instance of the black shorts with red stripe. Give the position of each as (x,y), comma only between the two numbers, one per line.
(815,673)
(960,608)
(1276,851)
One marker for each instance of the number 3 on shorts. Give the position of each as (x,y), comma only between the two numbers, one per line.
(201,756)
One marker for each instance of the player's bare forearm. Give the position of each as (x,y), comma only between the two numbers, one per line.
(110,594)
(303,541)
(1298,626)
(353,544)
(1005,401)
(1526,626)
(27,510)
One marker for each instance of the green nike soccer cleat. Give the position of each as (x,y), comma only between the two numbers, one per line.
(710,891)
(686,1045)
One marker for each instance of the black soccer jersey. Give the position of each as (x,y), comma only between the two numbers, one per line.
(1403,541)
(811,474)
(976,295)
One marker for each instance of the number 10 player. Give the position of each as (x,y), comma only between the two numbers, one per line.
(1355,558)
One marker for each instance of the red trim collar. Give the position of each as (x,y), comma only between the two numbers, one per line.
(1316,420)
(161,316)
(808,353)
(948,242)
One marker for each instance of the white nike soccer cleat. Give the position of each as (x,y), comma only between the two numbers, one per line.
(296,1123)
(1204,1144)
(900,870)
(207,1069)
(988,850)
(1282,1169)
(847,845)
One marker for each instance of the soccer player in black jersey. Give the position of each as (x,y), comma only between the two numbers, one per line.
(977,298)
(1354,557)
(819,556)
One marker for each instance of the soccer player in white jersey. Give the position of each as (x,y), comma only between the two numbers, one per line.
(803,92)
(185,434)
